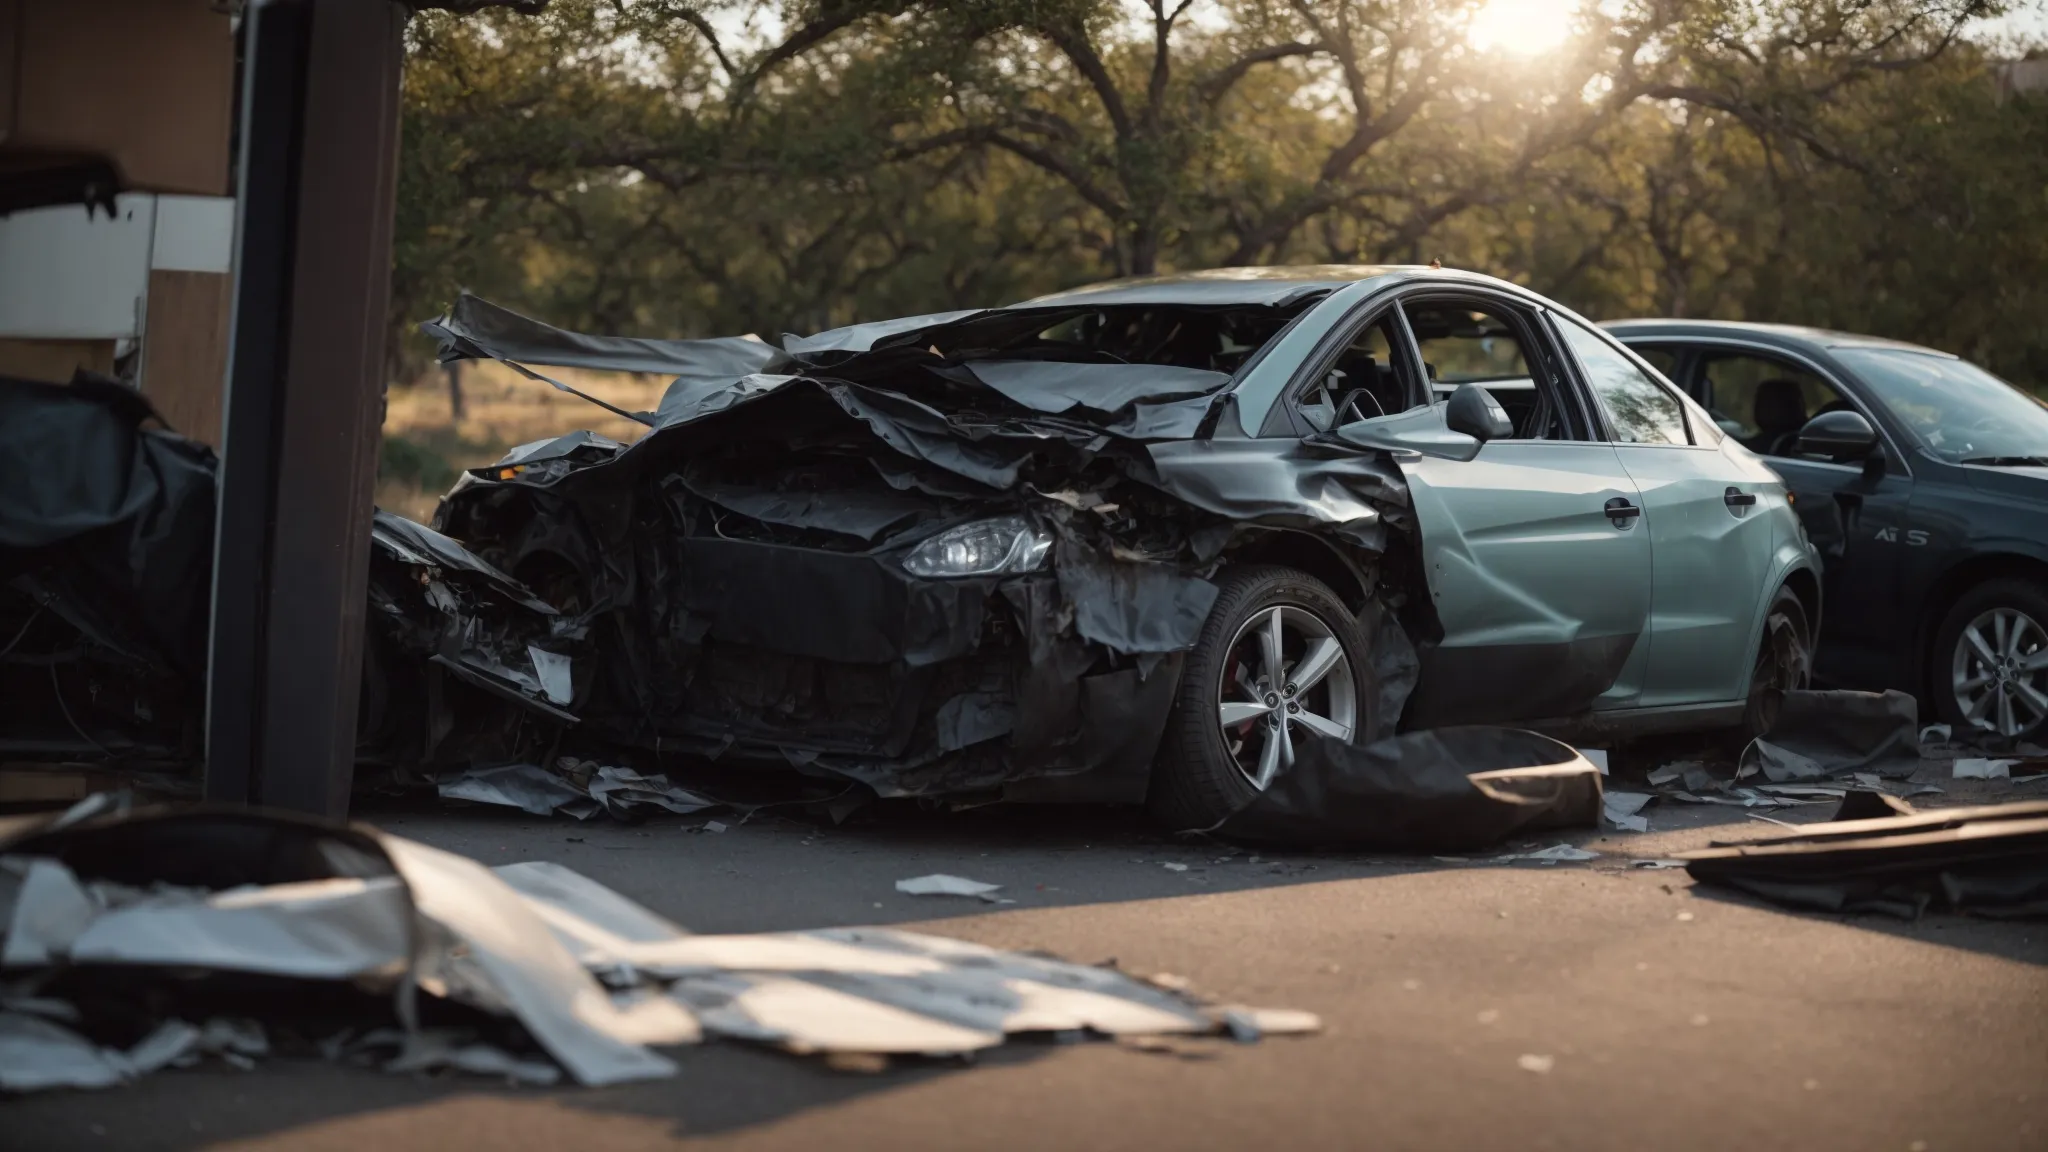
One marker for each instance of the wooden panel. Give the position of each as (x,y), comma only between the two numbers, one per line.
(148,84)
(185,349)
(54,360)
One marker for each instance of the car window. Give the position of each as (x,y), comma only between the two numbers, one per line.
(1963,414)
(1641,410)
(1469,343)
(1764,401)
(1362,383)
(1663,359)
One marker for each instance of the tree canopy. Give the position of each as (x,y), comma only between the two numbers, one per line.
(695,167)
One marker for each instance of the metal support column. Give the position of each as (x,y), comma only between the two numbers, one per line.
(317,159)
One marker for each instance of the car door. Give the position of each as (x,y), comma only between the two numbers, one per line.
(1537,565)
(1855,514)
(1711,549)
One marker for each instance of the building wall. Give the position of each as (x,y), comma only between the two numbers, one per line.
(147,292)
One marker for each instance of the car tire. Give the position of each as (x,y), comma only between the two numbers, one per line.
(1784,662)
(2010,617)
(1203,772)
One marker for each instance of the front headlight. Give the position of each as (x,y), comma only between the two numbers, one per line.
(984,548)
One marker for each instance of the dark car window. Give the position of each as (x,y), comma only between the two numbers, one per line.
(1472,343)
(1661,358)
(1764,401)
(1212,339)
(1363,382)
(1641,410)
(1962,413)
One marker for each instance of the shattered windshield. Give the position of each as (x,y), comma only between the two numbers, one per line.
(1960,412)
(1208,339)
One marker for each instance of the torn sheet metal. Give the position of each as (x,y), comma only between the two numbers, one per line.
(551,970)
(477,329)
(1990,861)
(1623,810)
(1823,734)
(1448,790)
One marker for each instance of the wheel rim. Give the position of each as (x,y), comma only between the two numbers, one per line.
(1999,672)
(1285,673)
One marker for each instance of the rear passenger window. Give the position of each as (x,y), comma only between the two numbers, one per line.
(1641,410)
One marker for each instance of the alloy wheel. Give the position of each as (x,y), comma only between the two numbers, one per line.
(1999,671)
(1285,673)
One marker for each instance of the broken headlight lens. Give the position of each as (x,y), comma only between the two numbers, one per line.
(984,548)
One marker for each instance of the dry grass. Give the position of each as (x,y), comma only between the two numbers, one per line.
(425,448)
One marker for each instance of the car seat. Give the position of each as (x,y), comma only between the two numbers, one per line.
(1779,412)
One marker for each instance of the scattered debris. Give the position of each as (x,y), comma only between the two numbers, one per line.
(1596,757)
(1670,773)
(1655,865)
(1822,734)
(1990,860)
(1551,855)
(579,788)
(1978,768)
(940,884)
(1771,820)
(714,826)
(1538,1064)
(1174,867)
(1934,734)
(118,922)
(1621,810)
(1812,790)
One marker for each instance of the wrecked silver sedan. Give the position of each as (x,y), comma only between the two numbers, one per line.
(1144,539)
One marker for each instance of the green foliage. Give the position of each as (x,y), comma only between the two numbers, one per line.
(696,168)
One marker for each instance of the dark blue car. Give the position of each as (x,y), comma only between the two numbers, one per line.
(1922,479)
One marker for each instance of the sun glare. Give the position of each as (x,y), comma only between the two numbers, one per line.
(1523,27)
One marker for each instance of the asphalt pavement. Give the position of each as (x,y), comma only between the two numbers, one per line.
(1468,1004)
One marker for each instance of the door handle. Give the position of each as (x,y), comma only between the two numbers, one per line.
(1621,511)
(1737,498)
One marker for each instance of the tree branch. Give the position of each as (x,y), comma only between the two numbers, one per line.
(1072,41)
(1215,87)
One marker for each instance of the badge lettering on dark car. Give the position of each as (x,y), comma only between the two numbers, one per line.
(1915,537)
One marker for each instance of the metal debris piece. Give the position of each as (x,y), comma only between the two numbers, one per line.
(1622,809)
(527,787)
(1551,855)
(1655,865)
(940,884)
(1979,768)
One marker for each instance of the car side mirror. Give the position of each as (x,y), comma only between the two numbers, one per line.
(1839,436)
(1473,411)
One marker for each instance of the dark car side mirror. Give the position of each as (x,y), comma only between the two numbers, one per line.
(1473,411)
(1839,436)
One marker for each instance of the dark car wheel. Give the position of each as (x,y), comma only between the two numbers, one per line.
(1989,666)
(1784,661)
(1279,656)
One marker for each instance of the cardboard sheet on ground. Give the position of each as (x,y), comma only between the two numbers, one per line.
(584,979)
(1442,790)
(1991,861)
